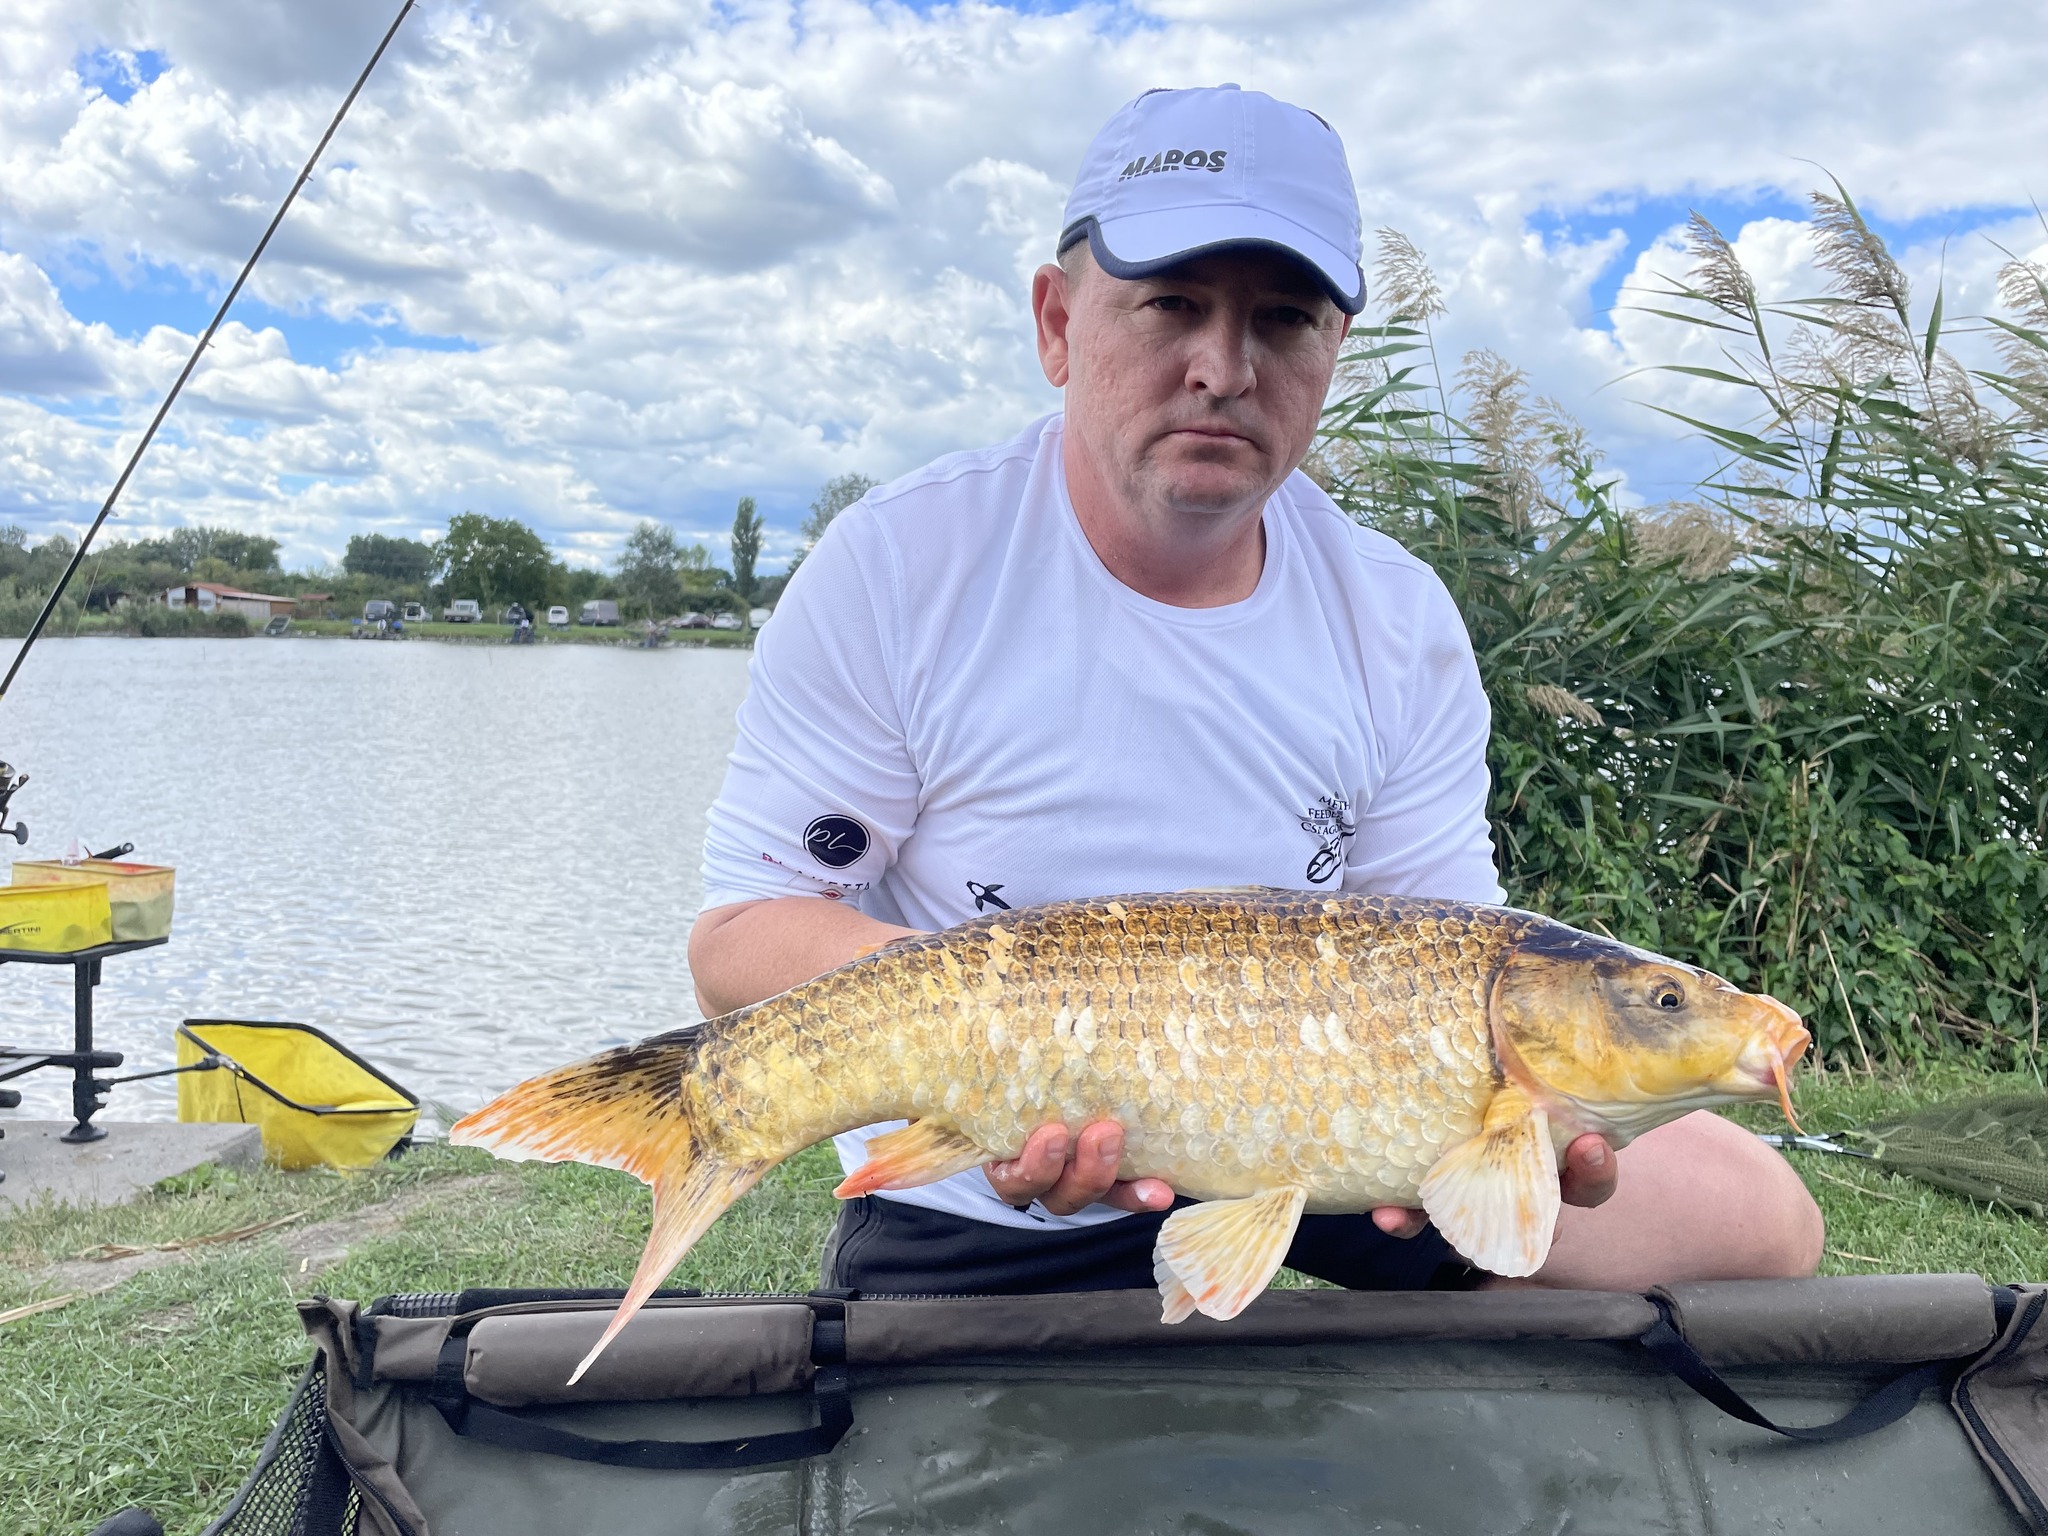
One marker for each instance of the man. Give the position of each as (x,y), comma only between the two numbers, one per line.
(1135,649)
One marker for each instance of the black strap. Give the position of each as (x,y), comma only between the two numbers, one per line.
(1887,1405)
(324,1500)
(830,1390)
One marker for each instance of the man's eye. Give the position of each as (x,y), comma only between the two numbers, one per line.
(1172,301)
(1288,315)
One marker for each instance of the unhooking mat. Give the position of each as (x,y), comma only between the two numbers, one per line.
(1314,1412)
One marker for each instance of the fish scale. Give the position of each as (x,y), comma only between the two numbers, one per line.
(1074,1013)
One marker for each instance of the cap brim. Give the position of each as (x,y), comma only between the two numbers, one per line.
(1142,244)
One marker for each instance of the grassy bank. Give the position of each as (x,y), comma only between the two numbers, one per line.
(158,1383)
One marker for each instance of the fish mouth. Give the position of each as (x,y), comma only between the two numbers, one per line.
(1784,1041)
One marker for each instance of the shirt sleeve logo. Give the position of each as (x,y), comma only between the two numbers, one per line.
(836,841)
(1329,822)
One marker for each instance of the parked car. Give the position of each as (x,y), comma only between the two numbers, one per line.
(691,620)
(558,617)
(378,611)
(464,610)
(726,621)
(756,617)
(601,611)
(415,613)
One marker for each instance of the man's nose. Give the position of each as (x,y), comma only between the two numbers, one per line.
(1221,361)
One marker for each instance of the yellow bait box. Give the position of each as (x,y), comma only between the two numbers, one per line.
(55,919)
(140,894)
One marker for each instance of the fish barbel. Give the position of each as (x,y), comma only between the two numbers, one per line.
(1268,1052)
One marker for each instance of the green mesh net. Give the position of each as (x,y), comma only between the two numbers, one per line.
(1992,1149)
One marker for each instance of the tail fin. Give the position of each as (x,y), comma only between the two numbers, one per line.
(627,1109)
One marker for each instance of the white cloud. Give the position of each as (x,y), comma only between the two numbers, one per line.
(699,251)
(43,350)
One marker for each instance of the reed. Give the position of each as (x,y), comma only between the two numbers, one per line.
(1794,726)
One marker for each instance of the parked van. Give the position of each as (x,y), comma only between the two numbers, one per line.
(601,611)
(415,613)
(464,610)
(378,611)
(558,617)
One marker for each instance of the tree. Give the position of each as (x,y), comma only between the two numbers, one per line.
(746,548)
(838,493)
(185,549)
(647,570)
(407,562)
(495,560)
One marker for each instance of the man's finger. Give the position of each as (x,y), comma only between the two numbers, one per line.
(1033,1171)
(1398,1220)
(1139,1195)
(1590,1171)
(1091,1170)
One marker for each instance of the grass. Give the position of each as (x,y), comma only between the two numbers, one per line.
(159,1390)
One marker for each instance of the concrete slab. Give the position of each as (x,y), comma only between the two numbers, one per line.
(120,1166)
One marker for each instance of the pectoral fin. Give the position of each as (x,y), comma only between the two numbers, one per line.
(922,1152)
(1214,1258)
(1495,1197)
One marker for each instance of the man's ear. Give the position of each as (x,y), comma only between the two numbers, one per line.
(1050,312)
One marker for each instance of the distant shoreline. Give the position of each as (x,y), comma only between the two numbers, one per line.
(628,636)
(631,635)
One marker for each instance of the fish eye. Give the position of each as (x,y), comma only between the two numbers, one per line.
(1667,994)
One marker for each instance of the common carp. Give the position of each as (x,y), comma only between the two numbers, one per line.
(1267,1052)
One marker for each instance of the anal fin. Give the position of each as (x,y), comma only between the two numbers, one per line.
(1495,1198)
(922,1152)
(1215,1258)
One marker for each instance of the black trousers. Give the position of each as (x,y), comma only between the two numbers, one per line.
(885,1247)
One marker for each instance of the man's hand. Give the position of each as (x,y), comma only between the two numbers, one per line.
(1587,1178)
(1064,1173)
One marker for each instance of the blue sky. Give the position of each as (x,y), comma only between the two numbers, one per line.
(145,296)
(585,268)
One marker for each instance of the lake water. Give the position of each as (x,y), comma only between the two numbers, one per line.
(469,863)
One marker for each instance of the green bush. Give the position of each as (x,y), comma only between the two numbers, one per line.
(153,621)
(1794,729)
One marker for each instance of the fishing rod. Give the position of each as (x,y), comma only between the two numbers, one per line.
(8,784)
(10,781)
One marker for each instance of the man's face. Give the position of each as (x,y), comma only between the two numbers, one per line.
(1197,390)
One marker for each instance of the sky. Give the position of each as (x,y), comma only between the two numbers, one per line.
(588,262)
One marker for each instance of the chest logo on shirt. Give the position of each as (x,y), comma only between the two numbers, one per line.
(1329,822)
(835,841)
(985,897)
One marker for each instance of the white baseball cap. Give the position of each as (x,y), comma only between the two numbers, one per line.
(1178,173)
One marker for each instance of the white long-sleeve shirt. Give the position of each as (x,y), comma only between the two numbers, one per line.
(958,708)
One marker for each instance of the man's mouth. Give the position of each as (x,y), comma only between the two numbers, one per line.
(1214,434)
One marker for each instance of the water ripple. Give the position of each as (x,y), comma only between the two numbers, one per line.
(469,863)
